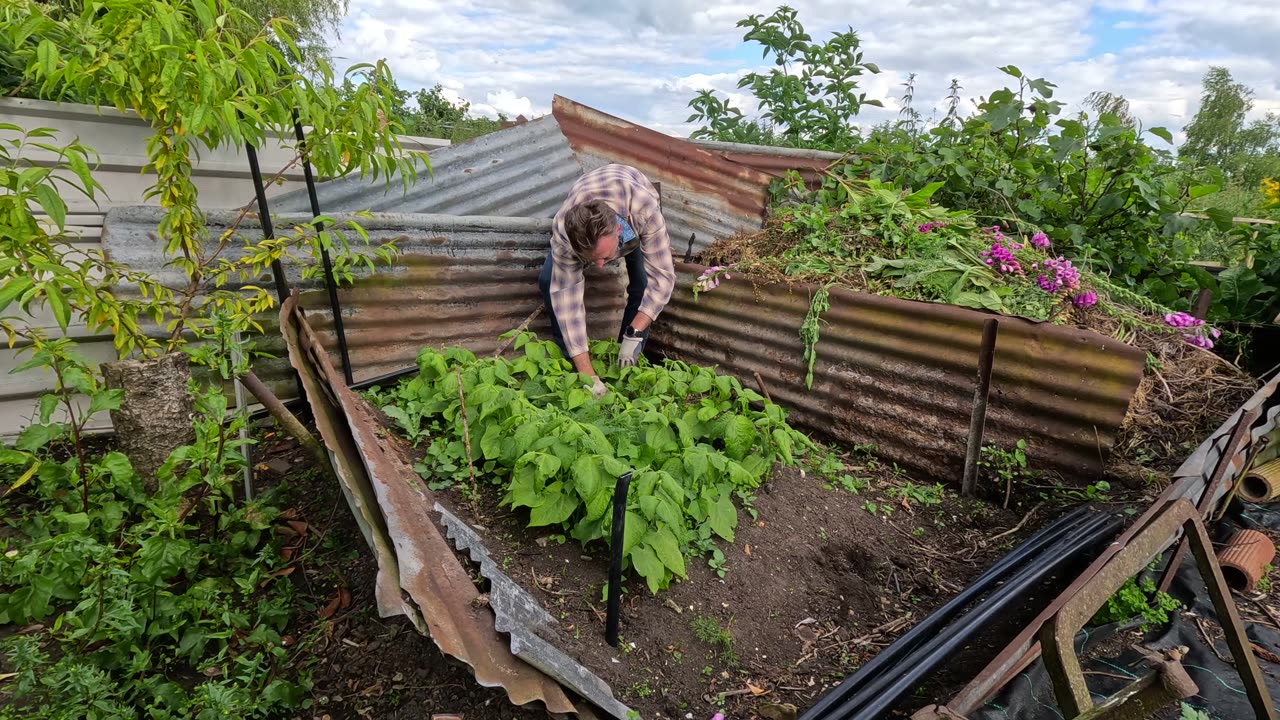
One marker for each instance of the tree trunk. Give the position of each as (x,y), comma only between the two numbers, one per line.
(155,417)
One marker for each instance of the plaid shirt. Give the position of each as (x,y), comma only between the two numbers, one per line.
(633,197)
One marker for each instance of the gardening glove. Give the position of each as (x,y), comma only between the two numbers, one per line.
(629,348)
(598,389)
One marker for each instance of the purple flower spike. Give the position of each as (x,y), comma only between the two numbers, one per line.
(1040,240)
(1088,298)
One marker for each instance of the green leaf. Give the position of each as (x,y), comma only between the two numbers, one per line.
(587,478)
(723,516)
(105,400)
(1199,191)
(37,435)
(12,289)
(636,528)
(924,193)
(491,442)
(1221,217)
(667,548)
(52,204)
(548,465)
(1162,133)
(556,507)
(646,563)
(739,436)
(1011,70)
(48,404)
(649,506)
(783,440)
(58,304)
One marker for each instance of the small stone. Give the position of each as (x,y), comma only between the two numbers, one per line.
(279,466)
(542,541)
(584,557)
(778,711)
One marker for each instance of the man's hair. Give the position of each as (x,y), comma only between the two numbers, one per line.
(586,222)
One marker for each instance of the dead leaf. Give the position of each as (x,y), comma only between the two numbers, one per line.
(6,676)
(755,690)
(299,526)
(327,611)
(344,598)
(747,549)
(287,552)
(285,572)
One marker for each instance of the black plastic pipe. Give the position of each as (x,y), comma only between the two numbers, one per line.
(1029,549)
(384,379)
(330,283)
(886,691)
(612,608)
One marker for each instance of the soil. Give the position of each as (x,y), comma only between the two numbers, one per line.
(813,587)
(361,665)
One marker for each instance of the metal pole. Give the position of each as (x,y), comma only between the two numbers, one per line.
(264,214)
(978,420)
(329,282)
(237,353)
(615,560)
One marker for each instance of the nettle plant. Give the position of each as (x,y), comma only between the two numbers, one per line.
(694,441)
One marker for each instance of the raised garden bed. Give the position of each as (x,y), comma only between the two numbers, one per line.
(833,554)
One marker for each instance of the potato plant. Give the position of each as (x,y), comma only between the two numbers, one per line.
(692,439)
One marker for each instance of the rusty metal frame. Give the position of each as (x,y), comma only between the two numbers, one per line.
(1057,636)
(1190,481)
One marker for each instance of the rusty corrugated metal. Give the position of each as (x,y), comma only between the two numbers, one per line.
(459,281)
(702,192)
(423,563)
(900,374)
(775,161)
(523,171)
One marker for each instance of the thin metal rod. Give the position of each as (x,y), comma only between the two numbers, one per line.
(978,420)
(330,283)
(615,558)
(688,253)
(237,353)
(264,214)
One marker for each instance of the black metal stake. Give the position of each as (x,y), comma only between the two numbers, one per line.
(978,420)
(615,560)
(688,253)
(264,214)
(329,282)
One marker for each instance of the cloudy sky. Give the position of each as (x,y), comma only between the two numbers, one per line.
(644,61)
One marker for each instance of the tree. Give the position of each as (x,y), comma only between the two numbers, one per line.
(808,99)
(1218,135)
(1106,103)
(203,75)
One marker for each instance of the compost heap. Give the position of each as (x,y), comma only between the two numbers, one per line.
(869,236)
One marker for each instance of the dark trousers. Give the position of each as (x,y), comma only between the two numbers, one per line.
(637,280)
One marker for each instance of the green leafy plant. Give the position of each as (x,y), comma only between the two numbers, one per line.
(162,602)
(1006,467)
(709,631)
(1137,598)
(1190,713)
(808,99)
(691,438)
(926,495)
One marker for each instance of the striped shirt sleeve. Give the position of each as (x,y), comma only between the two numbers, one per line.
(632,196)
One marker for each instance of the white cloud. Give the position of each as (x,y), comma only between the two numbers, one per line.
(643,62)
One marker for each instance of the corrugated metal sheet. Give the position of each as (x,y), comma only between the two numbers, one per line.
(702,192)
(520,617)
(458,281)
(423,565)
(773,160)
(524,171)
(900,374)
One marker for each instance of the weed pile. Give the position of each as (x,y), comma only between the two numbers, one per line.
(694,441)
(871,237)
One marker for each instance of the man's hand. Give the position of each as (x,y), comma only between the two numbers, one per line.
(598,388)
(629,351)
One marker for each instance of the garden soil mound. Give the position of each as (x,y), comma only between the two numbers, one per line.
(813,588)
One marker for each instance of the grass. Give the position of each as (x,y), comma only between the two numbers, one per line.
(709,631)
